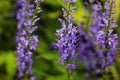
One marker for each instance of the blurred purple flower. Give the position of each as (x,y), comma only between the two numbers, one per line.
(104,26)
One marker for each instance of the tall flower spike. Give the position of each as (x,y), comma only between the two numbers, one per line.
(111,37)
(27,42)
(66,37)
(85,46)
(86,50)
(102,30)
(97,59)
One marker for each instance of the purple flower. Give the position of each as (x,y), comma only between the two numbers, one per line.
(100,37)
(107,7)
(86,49)
(104,26)
(63,57)
(26,41)
(71,66)
(33,43)
(36,1)
(97,71)
(96,7)
(33,78)
(67,36)
(69,1)
(100,54)
(96,50)
(113,25)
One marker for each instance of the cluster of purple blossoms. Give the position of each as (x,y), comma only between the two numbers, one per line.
(96,51)
(66,37)
(98,57)
(27,42)
(86,48)
(103,32)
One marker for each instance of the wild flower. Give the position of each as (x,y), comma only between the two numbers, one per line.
(66,36)
(100,56)
(26,40)
(103,31)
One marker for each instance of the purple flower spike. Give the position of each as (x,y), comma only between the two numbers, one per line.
(67,36)
(103,34)
(26,41)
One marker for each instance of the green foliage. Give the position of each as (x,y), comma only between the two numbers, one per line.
(8,65)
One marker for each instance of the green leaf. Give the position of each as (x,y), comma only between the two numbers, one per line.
(9,59)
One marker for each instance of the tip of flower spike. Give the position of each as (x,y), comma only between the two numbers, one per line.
(37,1)
(69,1)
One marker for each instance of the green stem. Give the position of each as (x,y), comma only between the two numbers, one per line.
(107,34)
(68,13)
(68,74)
(107,29)
(69,77)
(109,16)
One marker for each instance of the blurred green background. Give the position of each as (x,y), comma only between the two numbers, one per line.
(46,65)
